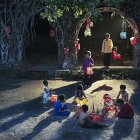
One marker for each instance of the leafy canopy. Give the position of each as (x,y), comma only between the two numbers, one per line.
(55,9)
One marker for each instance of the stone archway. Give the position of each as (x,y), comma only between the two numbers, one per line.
(134,27)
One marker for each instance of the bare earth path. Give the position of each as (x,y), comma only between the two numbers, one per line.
(22,115)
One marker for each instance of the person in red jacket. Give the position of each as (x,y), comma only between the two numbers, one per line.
(125,110)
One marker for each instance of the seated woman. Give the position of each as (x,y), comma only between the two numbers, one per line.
(125,110)
(60,107)
(80,97)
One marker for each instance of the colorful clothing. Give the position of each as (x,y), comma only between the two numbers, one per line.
(46,95)
(87,63)
(126,112)
(107,46)
(60,109)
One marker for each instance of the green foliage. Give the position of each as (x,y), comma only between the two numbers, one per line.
(55,9)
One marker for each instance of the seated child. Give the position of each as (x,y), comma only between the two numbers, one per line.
(84,119)
(47,92)
(126,111)
(79,94)
(108,105)
(60,107)
(123,93)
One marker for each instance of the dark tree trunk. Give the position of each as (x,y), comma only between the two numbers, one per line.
(67,30)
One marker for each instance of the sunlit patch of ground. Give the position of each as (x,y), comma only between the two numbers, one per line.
(22,115)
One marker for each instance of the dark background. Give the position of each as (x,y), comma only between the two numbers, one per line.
(43,50)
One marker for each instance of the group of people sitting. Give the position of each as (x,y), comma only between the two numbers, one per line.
(120,106)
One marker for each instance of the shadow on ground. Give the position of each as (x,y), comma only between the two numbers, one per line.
(8,84)
(42,125)
(122,129)
(135,101)
(32,108)
(103,87)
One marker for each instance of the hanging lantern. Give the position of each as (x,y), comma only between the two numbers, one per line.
(52,33)
(133,41)
(66,50)
(91,24)
(115,55)
(77,46)
(77,41)
(88,21)
(123,35)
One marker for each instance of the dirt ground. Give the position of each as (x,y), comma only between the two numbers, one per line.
(23,117)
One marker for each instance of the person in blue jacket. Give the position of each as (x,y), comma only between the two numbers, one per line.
(60,107)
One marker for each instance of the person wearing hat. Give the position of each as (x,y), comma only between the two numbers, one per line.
(107,46)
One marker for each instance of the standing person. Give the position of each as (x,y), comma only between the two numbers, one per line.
(123,93)
(47,93)
(87,64)
(107,46)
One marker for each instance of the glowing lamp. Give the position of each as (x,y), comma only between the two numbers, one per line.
(66,50)
(115,55)
(77,46)
(91,24)
(88,22)
(52,33)
(53,98)
(133,41)
(123,35)
(76,41)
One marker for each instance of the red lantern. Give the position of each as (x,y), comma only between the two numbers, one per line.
(66,50)
(88,21)
(77,46)
(133,41)
(52,33)
(115,55)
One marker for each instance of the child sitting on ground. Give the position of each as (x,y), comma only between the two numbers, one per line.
(60,107)
(84,119)
(47,93)
(79,94)
(108,105)
(123,93)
